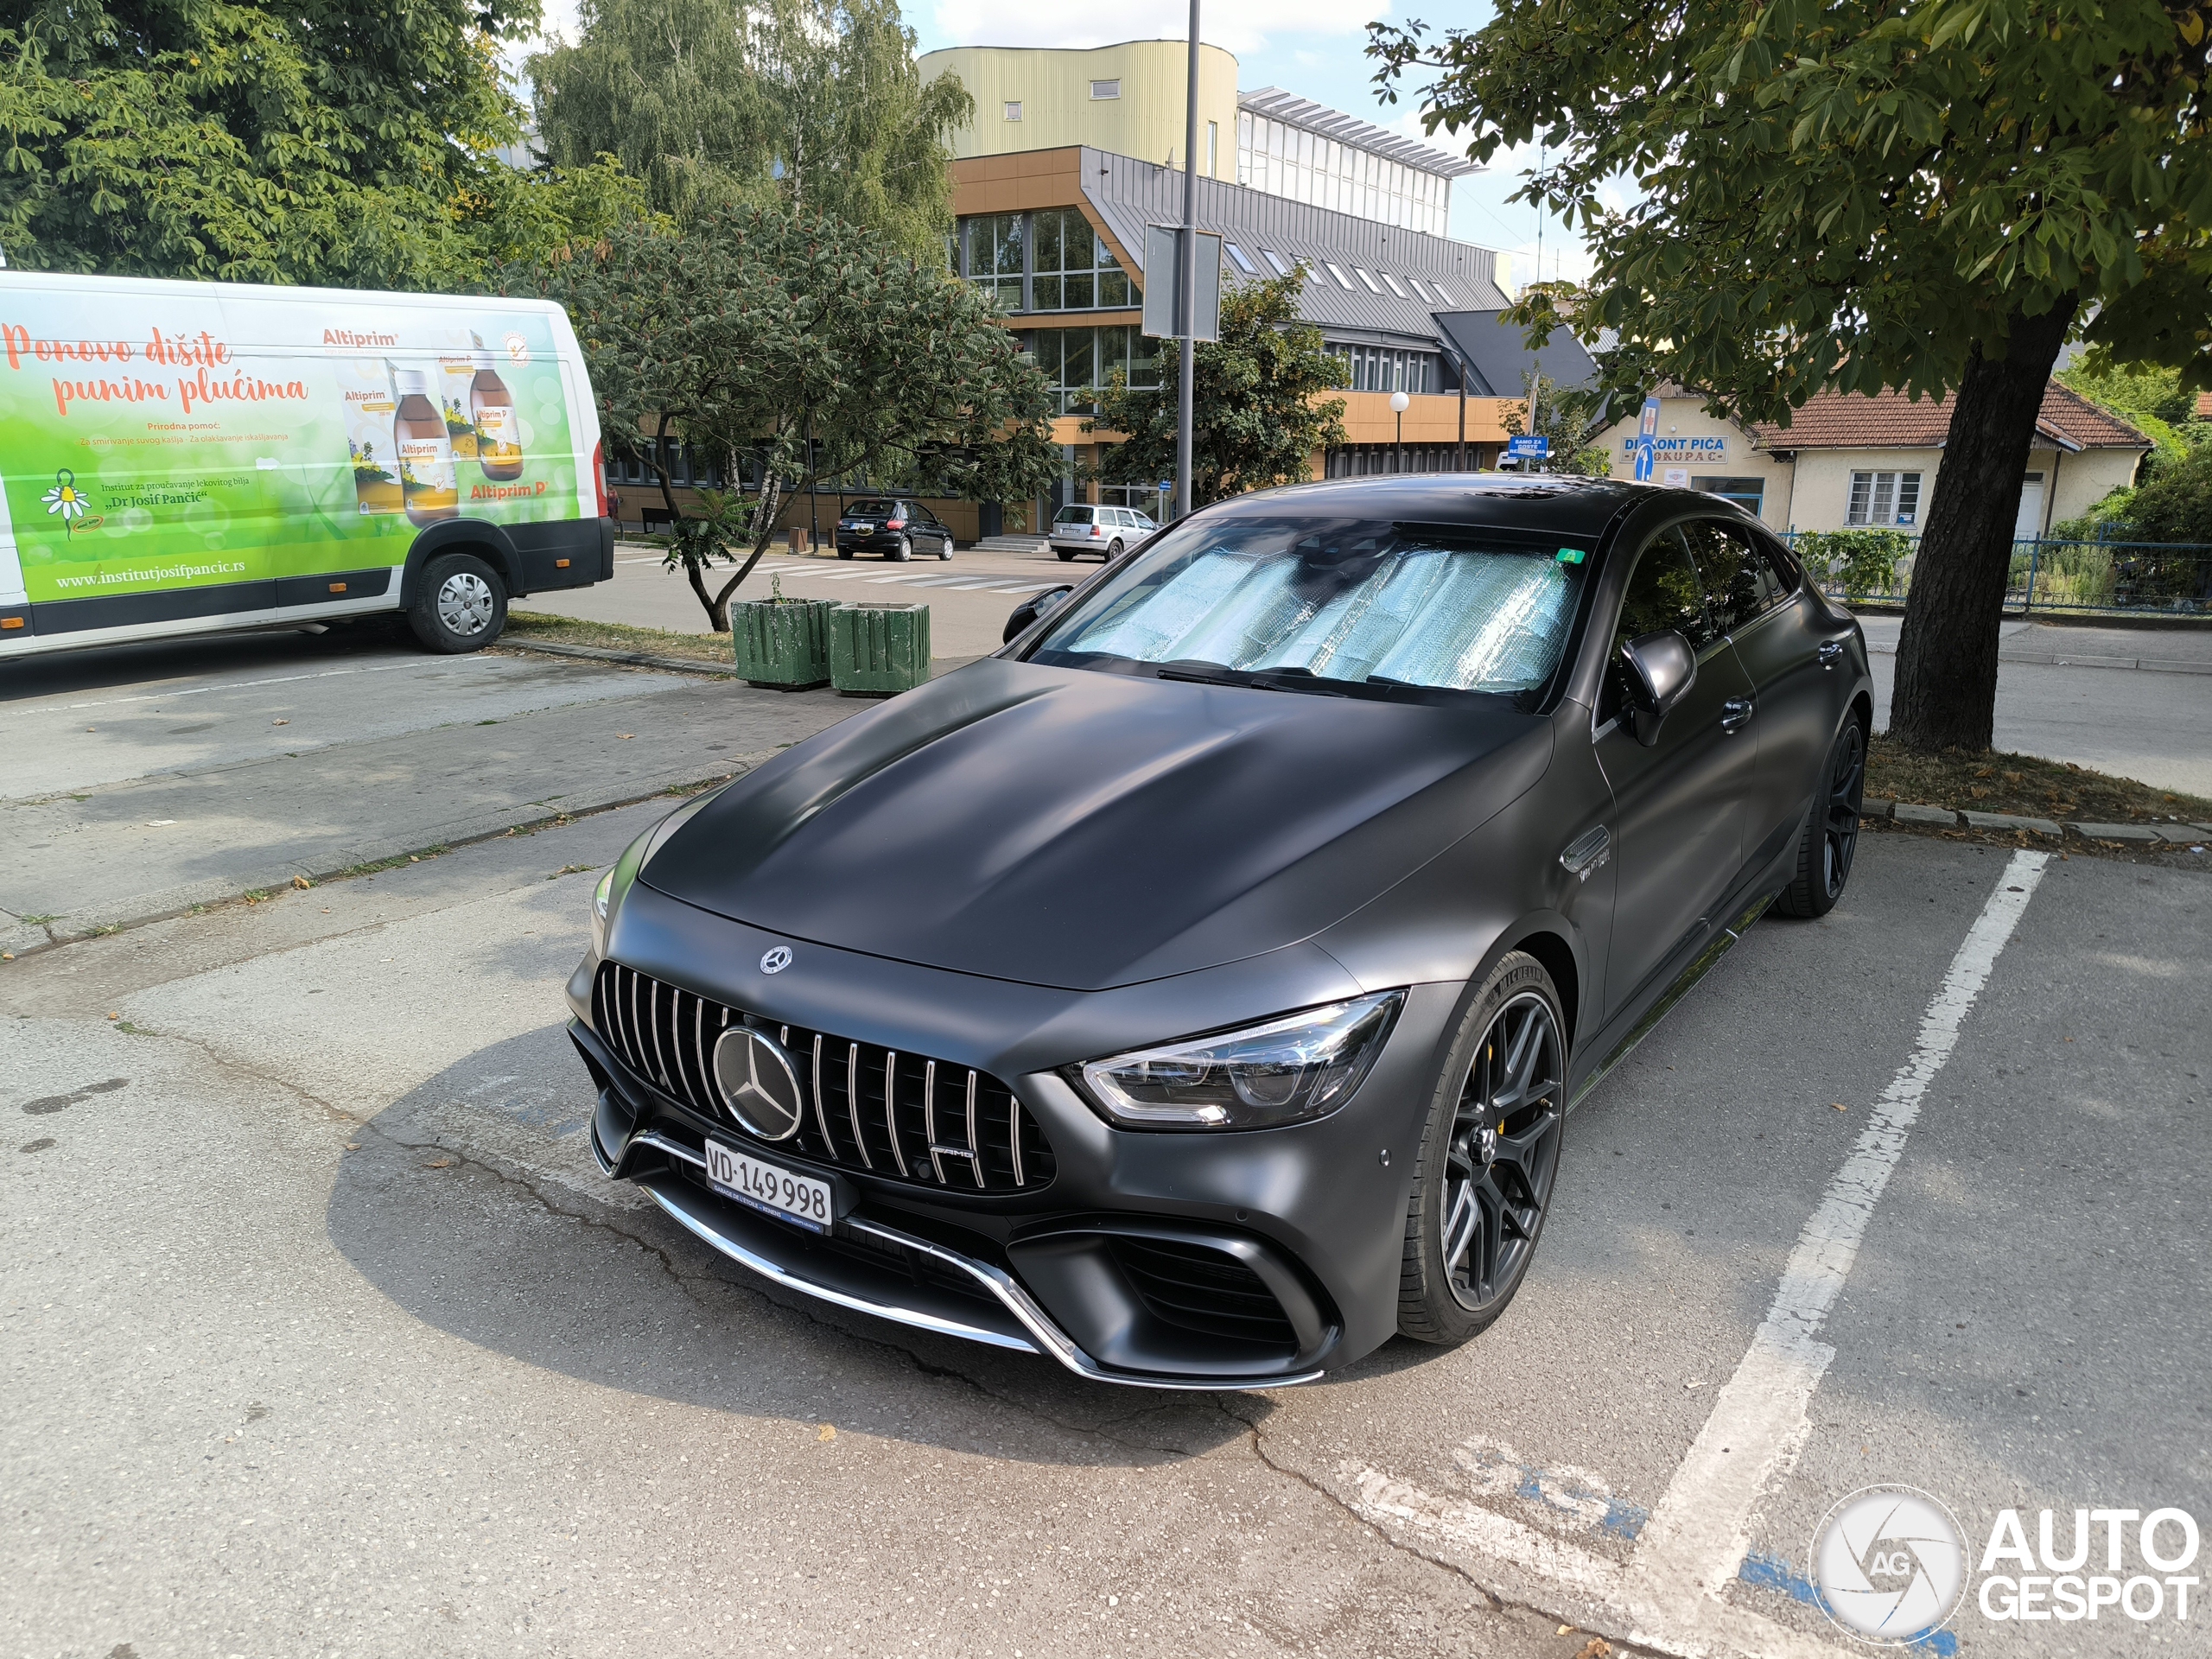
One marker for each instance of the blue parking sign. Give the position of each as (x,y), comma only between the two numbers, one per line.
(1647,439)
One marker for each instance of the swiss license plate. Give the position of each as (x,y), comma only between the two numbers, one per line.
(769,1187)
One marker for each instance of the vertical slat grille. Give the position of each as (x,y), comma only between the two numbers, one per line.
(930,1121)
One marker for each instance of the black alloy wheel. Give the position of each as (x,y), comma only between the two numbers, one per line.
(1831,838)
(1489,1159)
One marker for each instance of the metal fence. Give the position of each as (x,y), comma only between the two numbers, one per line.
(2047,576)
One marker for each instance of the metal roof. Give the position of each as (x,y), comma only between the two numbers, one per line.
(1128,195)
(1496,353)
(1293,110)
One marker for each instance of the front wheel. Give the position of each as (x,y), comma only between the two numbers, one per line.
(460,606)
(1831,838)
(1489,1157)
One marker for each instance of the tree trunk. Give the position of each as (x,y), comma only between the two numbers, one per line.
(1945,695)
(765,532)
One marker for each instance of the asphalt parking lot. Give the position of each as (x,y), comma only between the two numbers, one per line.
(323,1335)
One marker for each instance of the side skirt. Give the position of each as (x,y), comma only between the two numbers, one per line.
(1700,966)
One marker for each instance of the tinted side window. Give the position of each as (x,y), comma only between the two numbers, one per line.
(1739,580)
(1662,593)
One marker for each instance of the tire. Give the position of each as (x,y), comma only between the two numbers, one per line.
(461,604)
(844,552)
(1460,1272)
(1831,838)
(903,551)
(1065,556)
(1113,550)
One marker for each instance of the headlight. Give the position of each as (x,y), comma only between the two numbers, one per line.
(606,897)
(1288,1070)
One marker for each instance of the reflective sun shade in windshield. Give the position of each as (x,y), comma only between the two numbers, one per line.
(1378,604)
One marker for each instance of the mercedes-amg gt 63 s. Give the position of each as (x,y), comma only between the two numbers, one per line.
(1195,992)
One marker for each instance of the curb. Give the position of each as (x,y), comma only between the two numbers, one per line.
(2176,834)
(387,854)
(603,654)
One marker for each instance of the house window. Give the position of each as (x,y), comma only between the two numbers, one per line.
(1013,108)
(1746,493)
(1104,89)
(1213,149)
(1242,263)
(1075,271)
(994,256)
(1884,498)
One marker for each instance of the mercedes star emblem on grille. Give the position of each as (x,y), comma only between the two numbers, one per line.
(776,959)
(759,1082)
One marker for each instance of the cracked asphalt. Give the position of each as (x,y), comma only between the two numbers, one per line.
(322,1334)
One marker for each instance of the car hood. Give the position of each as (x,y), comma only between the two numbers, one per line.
(1080,829)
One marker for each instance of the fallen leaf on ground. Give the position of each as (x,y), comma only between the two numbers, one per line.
(118,1016)
(1596,1648)
(1839,1105)
(280,723)
(625,734)
(441,1163)
(353,1146)
(1564,1630)
(302,883)
(826,1431)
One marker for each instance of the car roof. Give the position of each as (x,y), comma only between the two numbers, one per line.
(1561,505)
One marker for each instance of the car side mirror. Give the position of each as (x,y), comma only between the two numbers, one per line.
(1034,610)
(1661,670)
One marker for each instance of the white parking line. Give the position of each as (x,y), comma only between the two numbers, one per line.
(1670,1591)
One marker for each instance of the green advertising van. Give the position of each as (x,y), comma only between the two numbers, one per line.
(180,457)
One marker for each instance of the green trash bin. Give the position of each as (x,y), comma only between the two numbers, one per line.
(878,650)
(782,644)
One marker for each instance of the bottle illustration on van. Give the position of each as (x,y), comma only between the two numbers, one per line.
(429,482)
(183,457)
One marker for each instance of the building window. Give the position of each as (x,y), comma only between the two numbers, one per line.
(1419,289)
(994,256)
(1286,161)
(1748,493)
(1274,260)
(1393,284)
(1237,254)
(1383,368)
(1075,361)
(1441,293)
(1075,271)
(1364,277)
(1338,272)
(1213,149)
(1013,108)
(1884,498)
(1104,89)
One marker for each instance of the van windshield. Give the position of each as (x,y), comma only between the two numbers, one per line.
(1379,605)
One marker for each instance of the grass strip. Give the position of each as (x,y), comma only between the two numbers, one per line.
(620,636)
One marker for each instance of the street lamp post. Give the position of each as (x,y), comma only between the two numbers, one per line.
(1399,403)
(1185,307)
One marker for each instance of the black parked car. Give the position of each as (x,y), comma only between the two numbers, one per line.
(896,528)
(1267,904)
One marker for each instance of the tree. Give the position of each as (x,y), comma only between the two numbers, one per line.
(1920,194)
(312,142)
(1572,417)
(785,348)
(2149,397)
(716,103)
(1258,413)
(2176,506)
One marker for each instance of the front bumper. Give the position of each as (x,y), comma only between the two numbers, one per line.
(1313,1213)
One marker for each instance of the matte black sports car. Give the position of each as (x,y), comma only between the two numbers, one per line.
(1264,906)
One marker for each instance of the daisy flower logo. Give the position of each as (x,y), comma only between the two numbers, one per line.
(65,498)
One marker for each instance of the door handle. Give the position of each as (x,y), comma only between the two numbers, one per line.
(1830,650)
(1586,852)
(1736,714)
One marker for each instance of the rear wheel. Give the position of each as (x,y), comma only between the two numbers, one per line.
(844,552)
(1066,556)
(1489,1157)
(903,551)
(1113,548)
(1831,838)
(461,604)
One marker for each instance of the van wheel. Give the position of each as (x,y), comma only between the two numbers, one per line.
(461,605)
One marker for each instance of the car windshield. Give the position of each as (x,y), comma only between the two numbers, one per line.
(1072,516)
(869,509)
(1334,605)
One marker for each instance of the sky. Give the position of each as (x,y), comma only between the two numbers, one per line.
(1310,48)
